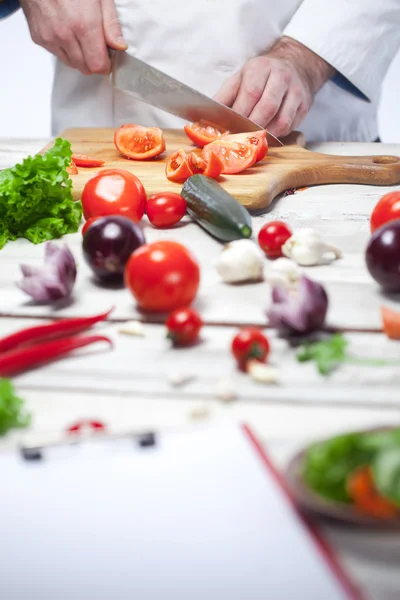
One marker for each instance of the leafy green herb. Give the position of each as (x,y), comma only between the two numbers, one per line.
(386,472)
(327,465)
(329,354)
(36,198)
(11,408)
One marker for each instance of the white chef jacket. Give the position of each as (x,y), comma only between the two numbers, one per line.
(203,42)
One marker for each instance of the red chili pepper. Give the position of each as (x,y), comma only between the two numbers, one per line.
(50,331)
(19,360)
(79,425)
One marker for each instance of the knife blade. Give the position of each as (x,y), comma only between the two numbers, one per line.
(145,83)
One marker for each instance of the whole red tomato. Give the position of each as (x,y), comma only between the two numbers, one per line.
(162,276)
(88,224)
(250,343)
(272,236)
(183,326)
(114,192)
(387,209)
(165,210)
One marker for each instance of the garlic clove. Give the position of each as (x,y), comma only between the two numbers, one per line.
(262,373)
(200,413)
(180,378)
(134,328)
(226,390)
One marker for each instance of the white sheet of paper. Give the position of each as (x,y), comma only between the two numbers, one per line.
(197,517)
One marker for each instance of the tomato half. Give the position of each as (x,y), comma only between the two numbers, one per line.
(255,138)
(210,168)
(183,326)
(235,157)
(203,132)
(114,192)
(72,170)
(177,168)
(387,209)
(81,160)
(165,210)
(272,236)
(162,276)
(139,143)
(249,344)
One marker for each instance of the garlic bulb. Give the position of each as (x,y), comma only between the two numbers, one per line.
(283,272)
(240,261)
(307,248)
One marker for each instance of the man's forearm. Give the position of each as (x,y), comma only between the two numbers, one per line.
(314,69)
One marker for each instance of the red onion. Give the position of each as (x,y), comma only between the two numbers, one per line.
(300,312)
(52,281)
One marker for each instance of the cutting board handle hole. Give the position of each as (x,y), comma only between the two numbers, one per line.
(385,160)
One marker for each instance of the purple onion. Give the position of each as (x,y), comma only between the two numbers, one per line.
(300,312)
(52,281)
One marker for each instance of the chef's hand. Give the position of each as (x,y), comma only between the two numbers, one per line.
(276,90)
(76,31)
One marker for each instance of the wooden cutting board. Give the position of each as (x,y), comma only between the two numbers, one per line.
(284,168)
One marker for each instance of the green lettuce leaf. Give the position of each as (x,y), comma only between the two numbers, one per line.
(327,465)
(36,197)
(11,408)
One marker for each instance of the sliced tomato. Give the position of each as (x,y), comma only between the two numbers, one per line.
(81,160)
(203,132)
(235,157)
(178,168)
(139,143)
(210,168)
(72,170)
(255,138)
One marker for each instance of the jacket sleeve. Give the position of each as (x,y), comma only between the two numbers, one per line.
(7,7)
(359,38)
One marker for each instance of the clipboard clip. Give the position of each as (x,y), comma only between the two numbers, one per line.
(93,434)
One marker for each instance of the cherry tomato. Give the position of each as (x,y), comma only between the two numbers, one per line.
(210,168)
(255,138)
(272,236)
(177,168)
(387,209)
(162,276)
(81,160)
(88,224)
(249,344)
(114,192)
(235,157)
(183,326)
(165,210)
(203,132)
(139,143)
(72,170)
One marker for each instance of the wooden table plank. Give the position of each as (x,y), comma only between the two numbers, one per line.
(142,366)
(340,213)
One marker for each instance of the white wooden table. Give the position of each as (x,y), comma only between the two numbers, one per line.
(129,387)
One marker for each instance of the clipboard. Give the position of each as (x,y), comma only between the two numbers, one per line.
(199,514)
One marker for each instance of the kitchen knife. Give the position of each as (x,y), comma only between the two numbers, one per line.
(134,77)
